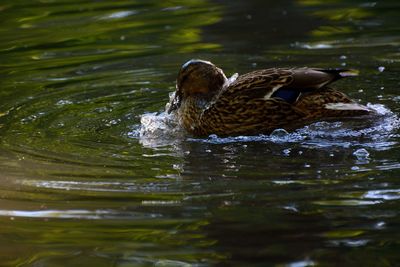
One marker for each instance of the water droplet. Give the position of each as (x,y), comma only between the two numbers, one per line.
(380,225)
(28,119)
(213,136)
(286,152)
(63,102)
(361,154)
(176,166)
(279,133)
(291,208)
(303,263)
(120,14)
(112,122)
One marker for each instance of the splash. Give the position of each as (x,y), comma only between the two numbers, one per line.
(377,132)
(159,129)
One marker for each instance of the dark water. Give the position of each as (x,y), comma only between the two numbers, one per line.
(83,182)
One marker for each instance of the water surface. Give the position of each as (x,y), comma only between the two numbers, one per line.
(93,173)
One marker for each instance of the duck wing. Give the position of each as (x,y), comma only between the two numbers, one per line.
(283,83)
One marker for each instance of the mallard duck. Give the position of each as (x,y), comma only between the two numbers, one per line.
(207,102)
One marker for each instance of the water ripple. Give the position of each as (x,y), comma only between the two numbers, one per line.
(120,14)
(100,186)
(384,194)
(78,214)
(376,133)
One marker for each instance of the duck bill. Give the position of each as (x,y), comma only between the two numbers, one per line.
(172,108)
(174,104)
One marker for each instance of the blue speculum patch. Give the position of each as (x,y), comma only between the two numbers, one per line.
(287,94)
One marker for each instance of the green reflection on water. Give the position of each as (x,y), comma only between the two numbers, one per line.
(78,77)
(62,86)
(79,188)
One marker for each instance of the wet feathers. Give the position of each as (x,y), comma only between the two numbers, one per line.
(206,102)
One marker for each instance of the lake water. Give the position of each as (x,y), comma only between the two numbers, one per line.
(93,173)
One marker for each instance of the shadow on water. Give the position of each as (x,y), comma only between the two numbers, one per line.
(93,173)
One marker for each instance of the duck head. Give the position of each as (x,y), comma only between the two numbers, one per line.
(197,78)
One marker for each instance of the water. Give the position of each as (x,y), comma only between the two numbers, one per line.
(93,173)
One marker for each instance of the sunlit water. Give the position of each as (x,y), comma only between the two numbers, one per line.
(93,172)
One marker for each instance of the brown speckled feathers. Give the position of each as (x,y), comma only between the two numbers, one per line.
(206,102)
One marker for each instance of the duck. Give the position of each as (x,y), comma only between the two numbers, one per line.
(206,102)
